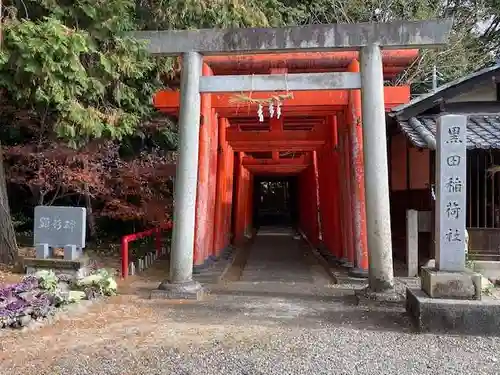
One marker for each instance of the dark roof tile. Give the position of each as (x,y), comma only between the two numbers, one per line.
(483,131)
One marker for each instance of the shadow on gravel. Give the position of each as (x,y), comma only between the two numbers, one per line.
(286,310)
(388,320)
(345,297)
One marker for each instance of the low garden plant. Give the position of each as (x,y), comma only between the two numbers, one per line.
(40,295)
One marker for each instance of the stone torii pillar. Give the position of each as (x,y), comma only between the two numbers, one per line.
(181,283)
(378,214)
(368,38)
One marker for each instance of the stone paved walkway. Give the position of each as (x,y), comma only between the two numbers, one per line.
(275,256)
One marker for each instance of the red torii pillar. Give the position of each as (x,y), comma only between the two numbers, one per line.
(330,194)
(227,223)
(226,172)
(308,204)
(334,182)
(324,191)
(212,186)
(221,198)
(345,188)
(317,195)
(357,179)
(249,206)
(240,218)
(204,221)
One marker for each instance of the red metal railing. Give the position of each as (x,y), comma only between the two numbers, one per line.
(136,236)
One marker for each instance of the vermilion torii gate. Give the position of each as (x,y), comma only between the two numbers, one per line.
(369,39)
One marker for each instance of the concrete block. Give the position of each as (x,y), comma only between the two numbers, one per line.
(454,316)
(71,252)
(412,242)
(131,269)
(43,251)
(425,221)
(451,285)
(73,268)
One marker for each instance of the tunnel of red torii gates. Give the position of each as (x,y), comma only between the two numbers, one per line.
(316,141)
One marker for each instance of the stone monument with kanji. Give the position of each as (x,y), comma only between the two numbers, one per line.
(57,227)
(451,296)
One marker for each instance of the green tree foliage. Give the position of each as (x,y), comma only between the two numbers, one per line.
(70,66)
(467,51)
(197,14)
(70,76)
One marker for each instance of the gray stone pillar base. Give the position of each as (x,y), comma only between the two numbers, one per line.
(453,316)
(187,290)
(390,296)
(452,302)
(451,285)
(358,273)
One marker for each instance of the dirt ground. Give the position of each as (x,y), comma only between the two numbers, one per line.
(129,317)
(235,334)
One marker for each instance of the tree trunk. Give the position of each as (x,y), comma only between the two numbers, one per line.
(90,214)
(8,244)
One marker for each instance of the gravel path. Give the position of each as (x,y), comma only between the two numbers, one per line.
(232,334)
(247,328)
